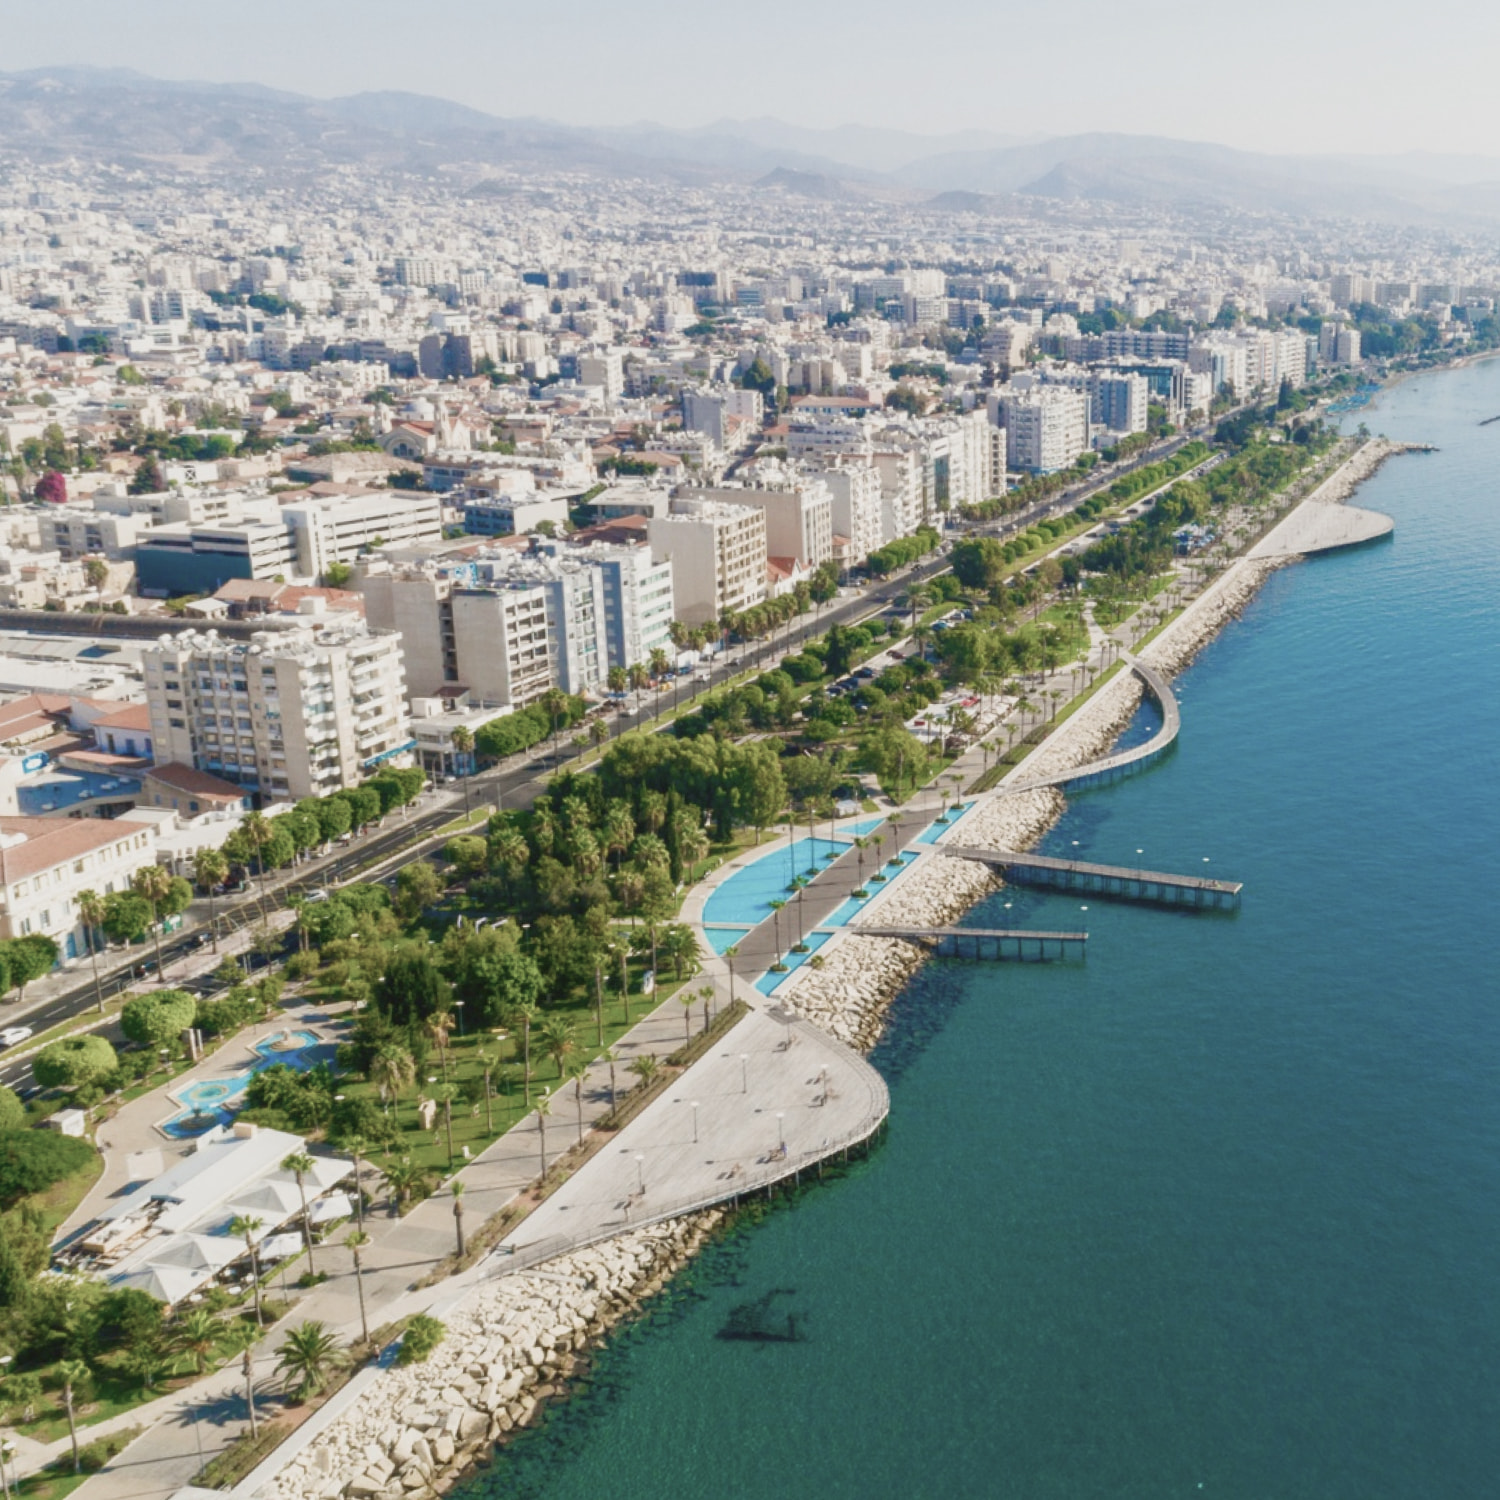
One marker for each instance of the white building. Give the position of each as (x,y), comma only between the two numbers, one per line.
(287,714)
(854,498)
(46,862)
(718,552)
(1046,428)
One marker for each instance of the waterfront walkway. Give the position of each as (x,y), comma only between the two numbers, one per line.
(1118,881)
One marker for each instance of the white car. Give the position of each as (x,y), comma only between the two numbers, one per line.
(13,1036)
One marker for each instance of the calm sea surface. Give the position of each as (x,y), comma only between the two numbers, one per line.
(1217,1214)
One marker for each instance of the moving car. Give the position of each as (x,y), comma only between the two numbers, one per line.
(13,1036)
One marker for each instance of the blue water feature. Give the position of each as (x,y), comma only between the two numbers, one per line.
(767,983)
(745,898)
(1213,1215)
(214,1101)
(937,830)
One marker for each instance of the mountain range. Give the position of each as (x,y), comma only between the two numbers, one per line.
(127,118)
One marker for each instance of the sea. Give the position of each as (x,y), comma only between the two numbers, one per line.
(1215,1213)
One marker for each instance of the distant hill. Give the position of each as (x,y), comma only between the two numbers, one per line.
(120,116)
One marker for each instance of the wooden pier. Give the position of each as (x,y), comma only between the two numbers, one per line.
(1109,881)
(997,944)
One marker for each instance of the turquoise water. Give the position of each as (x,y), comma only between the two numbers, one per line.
(1217,1213)
(214,1101)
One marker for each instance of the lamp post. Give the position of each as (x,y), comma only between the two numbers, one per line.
(744,1072)
(640,1174)
(458,1005)
(694,1107)
(781,1129)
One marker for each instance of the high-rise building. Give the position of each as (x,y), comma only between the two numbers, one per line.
(1046,428)
(717,550)
(454,635)
(286,714)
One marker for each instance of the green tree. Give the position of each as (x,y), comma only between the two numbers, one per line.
(28,958)
(299,1164)
(75,1378)
(198,1336)
(247,1226)
(356,1240)
(157,1019)
(412,987)
(127,917)
(239,1341)
(90,908)
(309,1357)
(73,1061)
(418,886)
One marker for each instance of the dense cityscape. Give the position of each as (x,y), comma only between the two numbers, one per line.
(424,599)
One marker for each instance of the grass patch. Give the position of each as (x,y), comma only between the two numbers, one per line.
(226,1469)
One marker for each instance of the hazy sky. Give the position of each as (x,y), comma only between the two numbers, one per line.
(1281,75)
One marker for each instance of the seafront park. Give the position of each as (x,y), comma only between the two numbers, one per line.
(474,1283)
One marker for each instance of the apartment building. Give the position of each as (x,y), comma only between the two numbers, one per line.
(287,714)
(854,502)
(456,636)
(338,528)
(717,550)
(78,531)
(799,516)
(639,603)
(1119,401)
(1046,427)
(46,862)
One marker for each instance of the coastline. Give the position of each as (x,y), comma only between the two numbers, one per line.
(503,1360)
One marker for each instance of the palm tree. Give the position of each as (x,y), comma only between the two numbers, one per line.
(90,907)
(559,1041)
(599,734)
(731,953)
(258,832)
(198,1335)
(440,1028)
(356,1240)
(645,1068)
(487,1060)
(610,1057)
(706,995)
(210,870)
(681,946)
(462,740)
(523,1013)
(241,1339)
(458,1215)
(392,1068)
(776,910)
(445,1094)
(246,1226)
(299,1164)
(687,999)
(577,1067)
(405,1177)
(74,1374)
(543,1109)
(153,883)
(309,1356)
(511,852)
(357,1146)
(554,703)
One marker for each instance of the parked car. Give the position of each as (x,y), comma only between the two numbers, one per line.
(317,895)
(13,1036)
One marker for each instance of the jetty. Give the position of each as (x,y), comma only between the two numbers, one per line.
(998,944)
(1121,762)
(1110,881)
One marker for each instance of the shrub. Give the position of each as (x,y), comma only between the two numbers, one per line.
(12,1111)
(423,1335)
(32,1160)
(303,965)
(72,1061)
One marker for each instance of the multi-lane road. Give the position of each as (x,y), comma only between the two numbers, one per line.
(518,782)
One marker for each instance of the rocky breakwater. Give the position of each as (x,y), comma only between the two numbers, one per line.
(511,1346)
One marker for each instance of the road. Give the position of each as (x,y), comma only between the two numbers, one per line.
(518,782)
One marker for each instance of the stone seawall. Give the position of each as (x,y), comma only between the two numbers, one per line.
(511,1347)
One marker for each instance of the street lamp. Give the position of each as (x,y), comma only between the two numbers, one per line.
(458,1005)
(744,1072)
(640,1174)
(781,1128)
